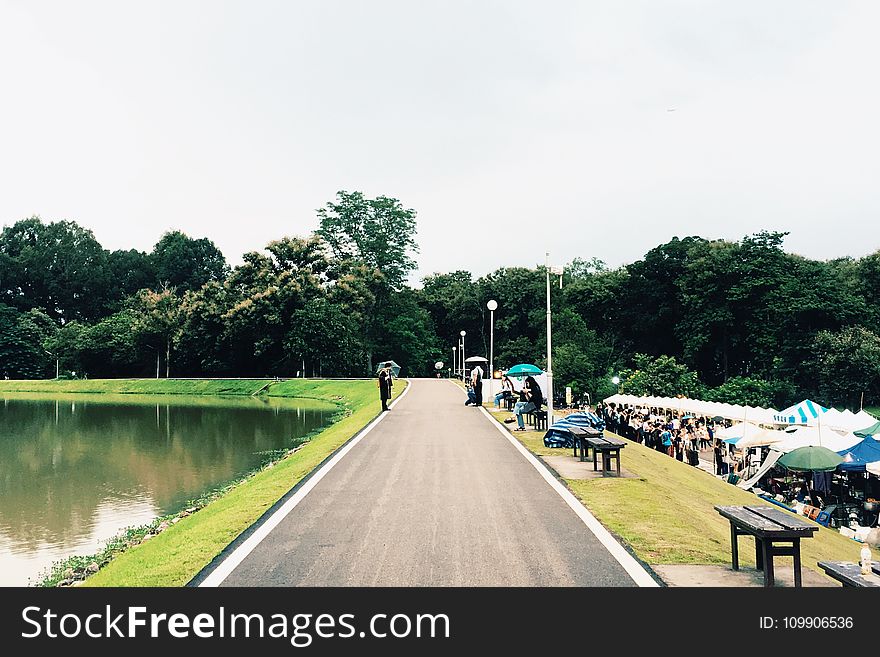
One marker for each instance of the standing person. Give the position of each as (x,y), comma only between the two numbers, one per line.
(385,384)
(531,398)
(666,441)
(719,457)
(477,383)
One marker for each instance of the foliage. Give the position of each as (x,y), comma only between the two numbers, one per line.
(379,233)
(745,391)
(848,364)
(661,376)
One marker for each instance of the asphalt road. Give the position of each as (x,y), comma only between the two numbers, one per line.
(434,495)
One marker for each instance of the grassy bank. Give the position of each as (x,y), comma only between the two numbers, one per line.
(140,386)
(666,512)
(173,556)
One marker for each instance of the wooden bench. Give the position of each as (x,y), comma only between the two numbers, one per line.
(587,439)
(769,526)
(537,419)
(850,574)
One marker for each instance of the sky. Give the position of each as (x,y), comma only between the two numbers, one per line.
(583,129)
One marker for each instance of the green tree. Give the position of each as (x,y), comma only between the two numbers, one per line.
(661,376)
(59,267)
(185,263)
(378,232)
(848,364)
(745,391)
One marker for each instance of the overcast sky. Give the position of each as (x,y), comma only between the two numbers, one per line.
(587,129)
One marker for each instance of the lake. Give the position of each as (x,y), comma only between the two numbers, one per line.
(76,469)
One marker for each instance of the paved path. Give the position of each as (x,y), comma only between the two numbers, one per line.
(433,495)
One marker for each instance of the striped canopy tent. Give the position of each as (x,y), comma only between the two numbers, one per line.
(807,412)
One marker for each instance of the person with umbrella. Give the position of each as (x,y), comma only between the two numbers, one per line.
(477,383)
(385,384)
(530,400)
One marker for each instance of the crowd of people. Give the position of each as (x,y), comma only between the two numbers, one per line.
(682,438)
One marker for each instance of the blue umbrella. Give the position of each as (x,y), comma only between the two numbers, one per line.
(524,368)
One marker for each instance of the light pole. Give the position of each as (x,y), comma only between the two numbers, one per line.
(454,361)
(549,343)
(462,355)
(57,366)
(492,305)
(616,381)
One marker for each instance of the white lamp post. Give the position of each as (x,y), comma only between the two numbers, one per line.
(492,305)
(462,355)
(454,361)
(616,381)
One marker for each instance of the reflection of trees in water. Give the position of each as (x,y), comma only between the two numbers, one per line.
(60,462)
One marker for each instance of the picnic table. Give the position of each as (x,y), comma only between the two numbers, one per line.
(850,574)
(587,439)
(769,526)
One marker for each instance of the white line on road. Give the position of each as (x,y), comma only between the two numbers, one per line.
(231,562)
(630,565)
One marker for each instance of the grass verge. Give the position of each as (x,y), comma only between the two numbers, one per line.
(191,540)
(666,512)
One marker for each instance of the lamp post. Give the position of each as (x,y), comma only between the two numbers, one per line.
(616,381)
(57,365)
(492,305)
(462,355)
(454,361)
(555,271)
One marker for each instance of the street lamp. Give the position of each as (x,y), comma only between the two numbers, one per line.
(463,333)
(555,271)
(492,305)
(454,361)
(57,367)
(616,381)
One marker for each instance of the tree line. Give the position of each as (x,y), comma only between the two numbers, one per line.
(735,321)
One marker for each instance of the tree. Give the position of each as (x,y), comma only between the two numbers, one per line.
(22,355)
(155,319)
(59,267)
(744,391)
(378,232)
(185,263)
(848,364)
(325,339)
(661,376)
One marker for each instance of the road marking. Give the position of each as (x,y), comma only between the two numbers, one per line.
(633,568)
(231,562)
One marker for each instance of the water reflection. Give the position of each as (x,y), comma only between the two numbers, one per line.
(76,469)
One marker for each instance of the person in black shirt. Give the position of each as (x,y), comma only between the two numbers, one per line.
(531,399)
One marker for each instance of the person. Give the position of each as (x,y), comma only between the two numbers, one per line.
(506,390)
(477,383)
(471,397)
(385,383)
(678,443)
(666,440)
(530,399)
(719,458)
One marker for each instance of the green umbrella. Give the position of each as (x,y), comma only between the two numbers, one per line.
(524,368)
(873,430)
(811,459)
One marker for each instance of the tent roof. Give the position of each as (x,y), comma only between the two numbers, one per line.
(860,454)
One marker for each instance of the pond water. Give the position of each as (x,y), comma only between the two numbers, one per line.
(76,469)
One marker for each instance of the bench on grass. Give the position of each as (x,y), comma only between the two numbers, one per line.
(769,526)
(587,439)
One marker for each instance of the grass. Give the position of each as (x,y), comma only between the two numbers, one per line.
(173,556)
(140,386)
(666,513)
(873,410)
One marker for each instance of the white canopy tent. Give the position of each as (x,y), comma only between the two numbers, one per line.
(751,435)
(874,468)
(807,413)
(687,406)
(816,437)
